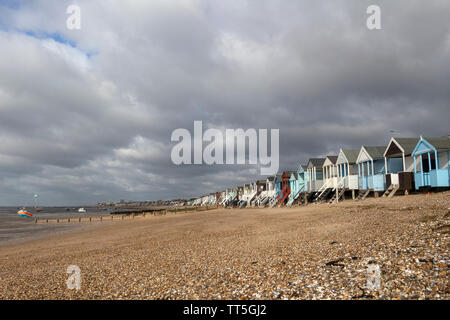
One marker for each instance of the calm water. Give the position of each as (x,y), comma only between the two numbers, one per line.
(15,229)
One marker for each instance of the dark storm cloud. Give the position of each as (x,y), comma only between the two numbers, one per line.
(87,115)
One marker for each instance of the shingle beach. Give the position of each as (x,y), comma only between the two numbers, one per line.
(318,251)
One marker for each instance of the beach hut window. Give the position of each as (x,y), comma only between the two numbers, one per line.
(428,161)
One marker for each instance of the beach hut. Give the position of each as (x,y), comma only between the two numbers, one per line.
(371,170)
(214,197)
(278,187)
(270,185)
(231,198)
(247,189)
(399,172)
(240,195)
(278,182)
(330,172)
(330,178)
(283,196)
(432,163)
(348,169)
(232,195)
(205,200)
(299,187)
(315,174)
(225,197)
(293,184)
(198,201)
(303,177)
(250,193)
(221,198)
(269,193)
(260,186)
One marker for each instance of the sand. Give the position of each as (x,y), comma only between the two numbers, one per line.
(319,251)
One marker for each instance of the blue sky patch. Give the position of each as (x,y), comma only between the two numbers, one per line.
(55,36)
(12,4)
(58,38)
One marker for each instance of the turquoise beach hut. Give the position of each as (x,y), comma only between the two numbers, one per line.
(432,163)
(298,183)
(278,184)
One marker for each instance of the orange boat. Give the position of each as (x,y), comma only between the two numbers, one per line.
(24,213)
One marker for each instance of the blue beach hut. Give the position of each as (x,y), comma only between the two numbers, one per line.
(432,162)
(371,168)
(278,184)
(298,183)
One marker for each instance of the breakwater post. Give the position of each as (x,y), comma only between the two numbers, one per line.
(126,214)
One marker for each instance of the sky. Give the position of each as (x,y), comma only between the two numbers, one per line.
(87,115)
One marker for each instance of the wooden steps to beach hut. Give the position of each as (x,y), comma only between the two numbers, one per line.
(297,197)
(391,191)
(323,195)
(340,194)
(362,195)
(323,192)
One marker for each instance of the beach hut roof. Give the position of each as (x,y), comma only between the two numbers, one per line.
(332,159)
(350,154)
(439,143)
(288,173)
(294,176)
(398,145)
(316,162)
(376,152)
(371,152)
(302,168)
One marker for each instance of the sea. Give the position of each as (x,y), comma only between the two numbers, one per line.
(15,229)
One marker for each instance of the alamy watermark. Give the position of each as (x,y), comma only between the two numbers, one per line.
(373,22)
(374,277)
(73,22)
(220,141)
(74,281)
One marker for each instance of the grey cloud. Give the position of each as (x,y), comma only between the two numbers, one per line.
(85,124)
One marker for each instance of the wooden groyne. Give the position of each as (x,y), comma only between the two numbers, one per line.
(126,215)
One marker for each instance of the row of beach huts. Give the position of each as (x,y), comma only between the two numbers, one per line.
(405,165)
